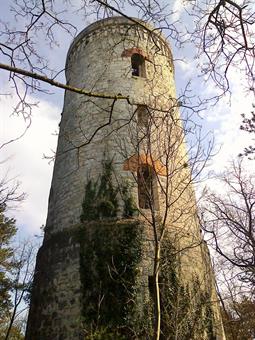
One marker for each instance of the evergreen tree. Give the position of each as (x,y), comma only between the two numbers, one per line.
(7,231)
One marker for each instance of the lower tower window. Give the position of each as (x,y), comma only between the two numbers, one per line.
(142,116)
(146,187)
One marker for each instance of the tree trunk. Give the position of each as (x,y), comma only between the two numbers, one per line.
(156,296)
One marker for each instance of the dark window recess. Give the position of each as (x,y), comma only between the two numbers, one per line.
(142,116)
(151,286)
(145,187)
(138,65)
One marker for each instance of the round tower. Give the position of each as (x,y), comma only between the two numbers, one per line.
(110,57)
(121,220)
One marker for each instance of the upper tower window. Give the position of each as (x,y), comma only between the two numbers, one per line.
(138,65)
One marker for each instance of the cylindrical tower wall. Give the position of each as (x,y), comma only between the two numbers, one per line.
(95,276)
(99,60)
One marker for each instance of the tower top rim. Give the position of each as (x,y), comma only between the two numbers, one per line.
(114,21)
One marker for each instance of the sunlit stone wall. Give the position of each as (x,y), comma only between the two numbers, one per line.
(93,130)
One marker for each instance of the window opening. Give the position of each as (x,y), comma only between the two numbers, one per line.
(138,65)
(142,116)
(151,284)
(145,186)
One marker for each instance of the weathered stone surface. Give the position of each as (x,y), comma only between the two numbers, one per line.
(55,310)
(95,276)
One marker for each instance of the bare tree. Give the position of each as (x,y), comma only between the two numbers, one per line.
(228,217)
(9,265)
(164,173)
(238,319)
(159,162)
(248,125)
(16,263)
(224,32)
(237,300)
(9,197)
(26,62)
(22,277)
(9,191)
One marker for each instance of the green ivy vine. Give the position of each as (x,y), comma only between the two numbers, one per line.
(101,197)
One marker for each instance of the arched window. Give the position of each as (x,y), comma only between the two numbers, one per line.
(138,65)
(146,187)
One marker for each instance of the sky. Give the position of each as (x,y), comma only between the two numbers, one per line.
(24,160)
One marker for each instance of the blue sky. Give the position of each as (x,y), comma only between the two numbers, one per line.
(24,158)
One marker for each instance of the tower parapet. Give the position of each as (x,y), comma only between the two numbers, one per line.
(120,26)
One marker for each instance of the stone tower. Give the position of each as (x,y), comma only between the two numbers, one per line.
(121,223)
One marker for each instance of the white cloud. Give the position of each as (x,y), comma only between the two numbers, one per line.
(25,159)
(177,8)
(225,120)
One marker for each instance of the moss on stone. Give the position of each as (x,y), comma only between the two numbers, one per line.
(130,208)
(110,255)
(101,197)
(186,308)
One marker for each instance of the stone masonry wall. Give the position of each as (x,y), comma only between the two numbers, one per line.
(95,62)
(64,297)
(55,309)
(91,278)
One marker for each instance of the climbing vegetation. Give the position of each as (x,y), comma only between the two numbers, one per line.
(110,254)
(186,308)
(102,197)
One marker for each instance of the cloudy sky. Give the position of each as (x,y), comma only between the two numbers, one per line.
(24,160)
